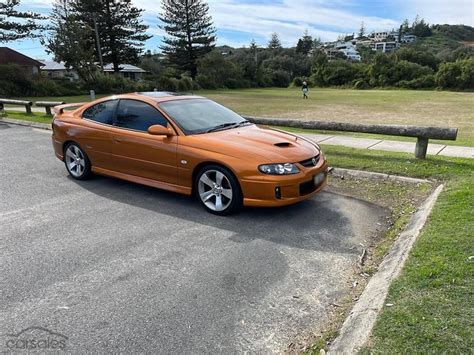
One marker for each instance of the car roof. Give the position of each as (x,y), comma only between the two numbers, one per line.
(162,96)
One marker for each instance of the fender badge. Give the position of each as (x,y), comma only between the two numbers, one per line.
(184,162)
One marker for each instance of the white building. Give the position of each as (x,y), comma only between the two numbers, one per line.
(349,49)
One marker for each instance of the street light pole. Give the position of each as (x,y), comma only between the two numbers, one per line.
(97,40)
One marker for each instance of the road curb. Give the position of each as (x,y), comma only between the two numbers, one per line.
(357,327)
(26,123)
(342,172)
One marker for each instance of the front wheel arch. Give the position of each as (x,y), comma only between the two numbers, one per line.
(202,165)
(236,203)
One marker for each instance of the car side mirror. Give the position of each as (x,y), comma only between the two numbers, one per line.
(159,130)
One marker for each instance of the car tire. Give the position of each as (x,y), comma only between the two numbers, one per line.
(77,162)
(218,190)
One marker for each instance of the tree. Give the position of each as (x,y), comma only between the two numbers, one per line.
(420,28)
(70,40)
(406,26)
(362,31)
(121,32)
(191,34)
(11,30)
(305,43)
(274,42)
(253,45)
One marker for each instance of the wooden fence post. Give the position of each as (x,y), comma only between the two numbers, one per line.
(421,147)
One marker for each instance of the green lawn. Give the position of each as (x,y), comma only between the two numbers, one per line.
(432,299)
(33,117)
(429,108)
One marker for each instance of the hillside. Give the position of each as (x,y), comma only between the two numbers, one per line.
(448,42)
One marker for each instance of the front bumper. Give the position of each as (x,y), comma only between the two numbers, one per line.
(292,188)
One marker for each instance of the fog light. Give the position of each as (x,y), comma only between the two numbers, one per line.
(277,193)
(318,179)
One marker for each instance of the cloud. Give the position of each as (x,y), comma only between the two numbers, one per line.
(238,21)
(453,12)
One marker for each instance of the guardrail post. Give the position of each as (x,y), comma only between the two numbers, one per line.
(28,108)
(92,95)
(421,147)
(48,110)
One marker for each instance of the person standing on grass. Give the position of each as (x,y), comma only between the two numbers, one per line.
(305,90)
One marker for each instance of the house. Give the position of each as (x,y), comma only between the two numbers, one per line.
(384,47)
(10,56)
(349,49)
(126,70)
(55,70)
(407,38)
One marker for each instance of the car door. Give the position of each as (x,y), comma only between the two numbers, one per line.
(139,153)
(95,134)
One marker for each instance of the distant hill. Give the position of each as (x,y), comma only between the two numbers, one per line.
(448,42)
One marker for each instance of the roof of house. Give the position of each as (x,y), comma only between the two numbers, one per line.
(52,65)
(9,56)
(124,68)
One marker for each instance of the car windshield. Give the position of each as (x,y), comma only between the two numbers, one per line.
(196,116)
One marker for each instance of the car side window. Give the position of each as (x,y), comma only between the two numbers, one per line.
(102,112)
(138,115)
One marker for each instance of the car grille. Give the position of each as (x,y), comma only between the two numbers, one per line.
(309,162)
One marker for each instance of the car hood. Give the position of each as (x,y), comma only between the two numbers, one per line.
(272,145)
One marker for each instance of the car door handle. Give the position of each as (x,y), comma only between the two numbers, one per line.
(118,140)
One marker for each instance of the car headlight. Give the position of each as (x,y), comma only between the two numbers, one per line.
(279,169)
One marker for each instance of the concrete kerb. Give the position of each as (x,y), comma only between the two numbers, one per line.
(341,172)
(357,328)
(26,123)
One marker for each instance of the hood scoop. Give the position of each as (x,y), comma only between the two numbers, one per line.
(283,145)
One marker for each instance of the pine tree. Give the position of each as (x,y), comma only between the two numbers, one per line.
(274,42)
(70,41)
(362,31)
(191,34)
(253,45)
(406,26)
(11,30)
(121,31)
(305,43)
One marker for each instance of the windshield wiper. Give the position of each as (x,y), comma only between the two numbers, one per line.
(227,125)
(221,126)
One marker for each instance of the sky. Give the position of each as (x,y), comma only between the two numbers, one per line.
(239,21)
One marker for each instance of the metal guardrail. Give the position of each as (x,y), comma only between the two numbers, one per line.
(423,134)
(48,105)
(26,104)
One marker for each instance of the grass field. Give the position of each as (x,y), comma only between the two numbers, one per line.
(432,298)
(428,108)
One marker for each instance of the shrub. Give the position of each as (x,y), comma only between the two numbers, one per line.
(280,78)
(361,84)
(339,72)
(44,87)
(456,75)
(206,82)
(426,81)
(298,81)
(111,83)
(13,81)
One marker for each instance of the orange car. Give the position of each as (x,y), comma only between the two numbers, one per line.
(188,144)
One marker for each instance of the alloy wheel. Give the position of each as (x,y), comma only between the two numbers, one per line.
(215,190)
(75,161)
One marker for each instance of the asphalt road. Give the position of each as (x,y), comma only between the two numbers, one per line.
(115,266)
